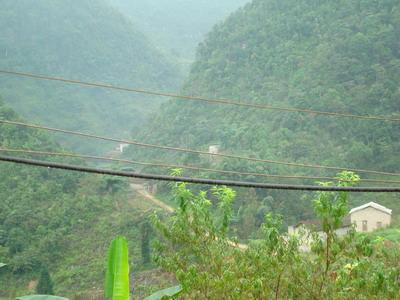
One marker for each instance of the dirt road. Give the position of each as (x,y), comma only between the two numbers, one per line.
(139,188)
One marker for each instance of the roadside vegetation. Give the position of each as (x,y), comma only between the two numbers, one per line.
(195,245)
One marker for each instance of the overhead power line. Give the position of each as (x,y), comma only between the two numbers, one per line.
(171,166)
(87,135)
(245,184)
(201,99)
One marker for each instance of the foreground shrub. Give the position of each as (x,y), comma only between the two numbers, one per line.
(209,264)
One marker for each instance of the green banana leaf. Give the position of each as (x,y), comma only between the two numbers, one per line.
(41,297)
(117,274)
(2,265)
(166,293)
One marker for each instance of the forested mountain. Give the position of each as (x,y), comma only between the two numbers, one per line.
(58,220)
(337,56)
(177,26)
(84,40)
(29,198)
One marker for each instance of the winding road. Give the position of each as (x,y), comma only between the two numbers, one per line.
(140,189)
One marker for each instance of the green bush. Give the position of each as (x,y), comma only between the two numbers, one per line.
(209,265)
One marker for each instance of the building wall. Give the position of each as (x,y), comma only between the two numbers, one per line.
(306,238)
(304,234)
(214,149)
(342,231)
(291,230)
(299,230)
(372,216)
(122,147)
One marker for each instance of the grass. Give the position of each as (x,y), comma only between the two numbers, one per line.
(391,233)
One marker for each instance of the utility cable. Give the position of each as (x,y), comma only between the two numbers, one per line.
(194,151)
(216,182)
(201,99)
(172,166)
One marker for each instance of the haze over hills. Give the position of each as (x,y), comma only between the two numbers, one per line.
(177,26)
(88,40)
(340,56)
(198,241)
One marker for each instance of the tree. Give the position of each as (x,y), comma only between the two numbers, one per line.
(117,273)
(45,284)
(209,264)
(145,234)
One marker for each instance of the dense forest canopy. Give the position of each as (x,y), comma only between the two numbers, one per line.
(338,56)
(35,206)
(217,243)
(56,219)
(86,40)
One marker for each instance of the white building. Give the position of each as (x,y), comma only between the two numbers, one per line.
(121,147)
(364,218)
(370,216)
(213,149)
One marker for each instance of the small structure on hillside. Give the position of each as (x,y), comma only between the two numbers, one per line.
(364,218)
(121,147)
(214,149)
(315,225)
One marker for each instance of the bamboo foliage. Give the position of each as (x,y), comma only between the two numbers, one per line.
(117,274)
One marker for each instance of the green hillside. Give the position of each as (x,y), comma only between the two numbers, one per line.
(86,40)
(60,220)
(338,56)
